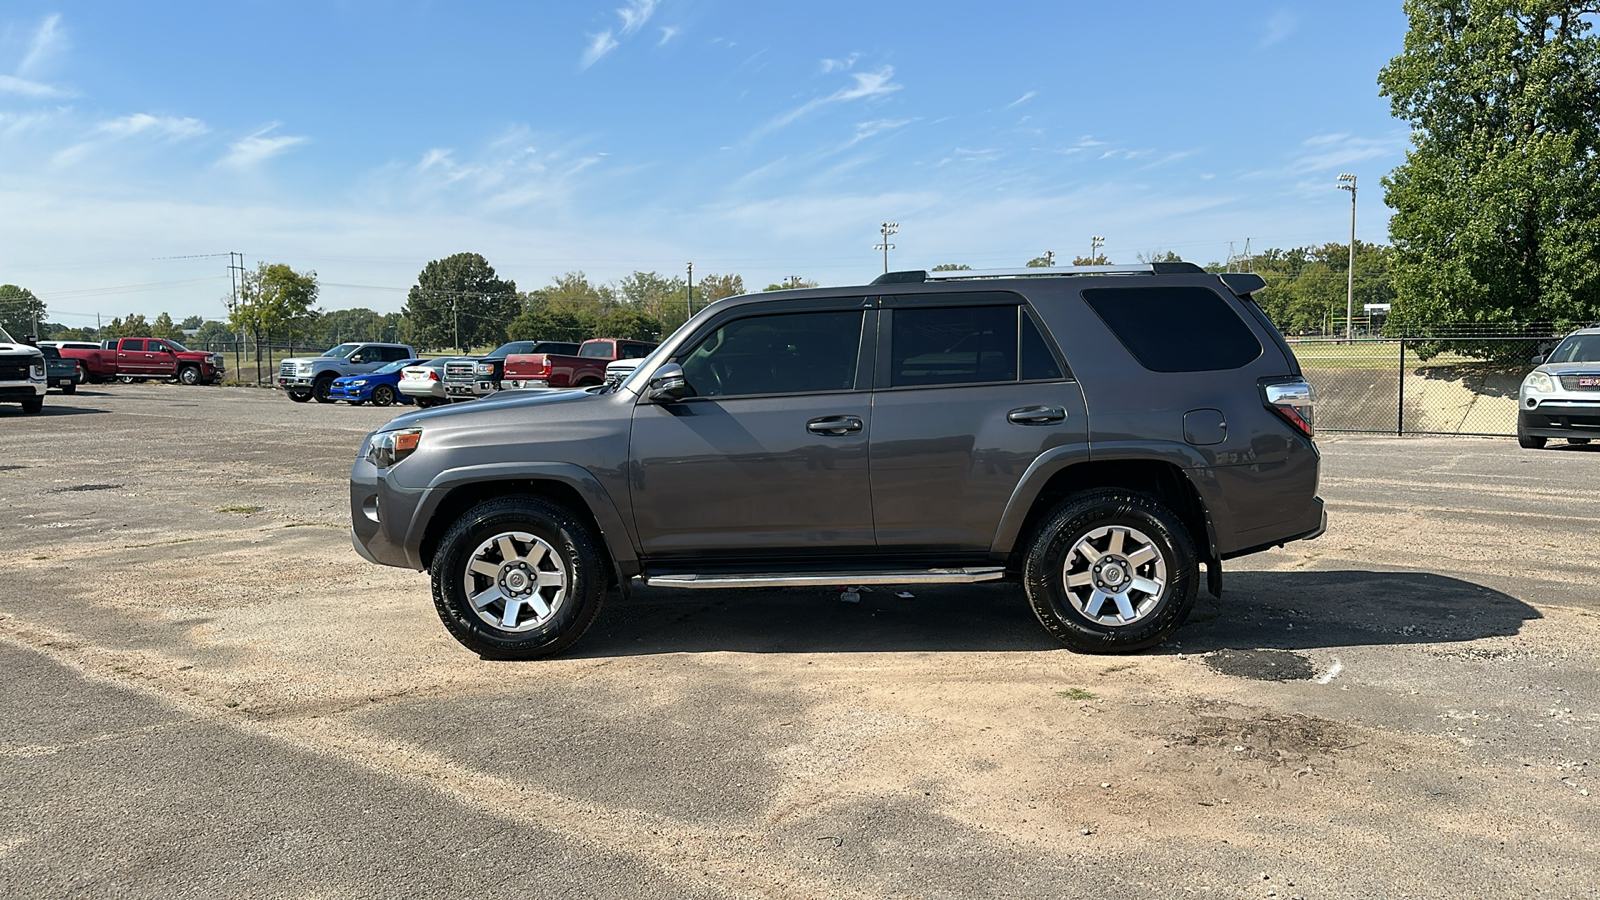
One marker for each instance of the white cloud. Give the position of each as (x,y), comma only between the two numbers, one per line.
(865,130)
(1280,26)
(668,32)
(161,126)
(867,85)
(1023,99)
(839,65)
(635,14)
(11,84)
(257,148)
(599,45)
(47,40)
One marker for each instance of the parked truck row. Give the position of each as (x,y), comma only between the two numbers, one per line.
(386,373)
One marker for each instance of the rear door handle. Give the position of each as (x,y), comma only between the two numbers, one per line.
(1037,415)
(834,425)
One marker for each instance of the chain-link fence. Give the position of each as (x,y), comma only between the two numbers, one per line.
(1423,385)
(240,357)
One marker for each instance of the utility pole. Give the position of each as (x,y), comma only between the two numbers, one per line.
(1347,182)
(1049,258)
(1095,243)
(886,229)
(688,293)
(455,318)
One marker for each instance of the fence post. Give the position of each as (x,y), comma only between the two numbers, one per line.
(1400,405)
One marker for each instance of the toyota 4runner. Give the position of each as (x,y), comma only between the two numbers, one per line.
(1096,435)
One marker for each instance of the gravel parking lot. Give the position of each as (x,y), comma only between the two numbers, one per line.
(206,692)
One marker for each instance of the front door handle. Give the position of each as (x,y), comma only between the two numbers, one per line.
(1037,415)
(834,425)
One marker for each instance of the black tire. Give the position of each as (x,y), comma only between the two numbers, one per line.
(299,396)
(1579,441)
(1077,615)
(33,406)
(1528,441)
(569,547)
(382,395)
(69,387)
(322,389)
(189,375)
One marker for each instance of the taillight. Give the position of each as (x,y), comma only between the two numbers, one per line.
(432,375)
(1293,401)
(544,366)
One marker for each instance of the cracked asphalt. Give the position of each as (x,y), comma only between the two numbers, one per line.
(205,692)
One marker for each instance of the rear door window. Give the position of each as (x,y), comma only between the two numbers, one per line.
(130,345)
(953,345)
(1176,329)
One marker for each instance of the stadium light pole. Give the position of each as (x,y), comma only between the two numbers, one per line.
(1095,243)
(887,229)
(1347,182)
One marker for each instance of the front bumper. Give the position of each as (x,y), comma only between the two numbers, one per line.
(12,391)
(295,382)
(1560,414)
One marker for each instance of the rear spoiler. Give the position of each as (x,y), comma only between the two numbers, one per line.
(1245,284)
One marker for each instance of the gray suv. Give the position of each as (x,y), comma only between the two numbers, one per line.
(1095,434)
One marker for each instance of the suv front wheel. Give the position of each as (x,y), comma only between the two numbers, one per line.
(1111,571)
(518,578)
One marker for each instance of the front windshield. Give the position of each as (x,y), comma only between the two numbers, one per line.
(394,367)
(1577,348)
(505,350)
(341,351)
(177,346)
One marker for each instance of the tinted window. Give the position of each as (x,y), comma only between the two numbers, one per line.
(132,344)
(953,345)
(636,351)
(1038,363)
(50,352)
(395,354)
(794,353)
(596,350)
(1176,329)
(557,347)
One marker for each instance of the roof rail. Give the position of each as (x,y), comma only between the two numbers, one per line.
(1160,268)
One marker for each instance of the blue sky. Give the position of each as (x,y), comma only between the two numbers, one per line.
(362,139)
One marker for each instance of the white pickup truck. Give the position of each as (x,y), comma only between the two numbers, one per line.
(22,375)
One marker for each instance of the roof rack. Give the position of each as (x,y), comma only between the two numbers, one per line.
(1159,268)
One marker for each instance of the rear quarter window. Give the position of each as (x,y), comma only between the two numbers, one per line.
(1175,329)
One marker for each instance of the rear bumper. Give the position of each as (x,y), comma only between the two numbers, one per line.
(518,384)
(1317,514)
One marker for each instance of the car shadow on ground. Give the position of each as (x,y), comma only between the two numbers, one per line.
(1276,610)
(50,409)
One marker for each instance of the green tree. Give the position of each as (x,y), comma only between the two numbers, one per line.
(1099,259)
(711,288)
(19,310)
(163,327)
(459,302)
(1041,262)
(340,325)
(274,302)
(133,326)
(792,283)
(192,323)
(627,322)
(211,332)
(1497,206)
(952,267)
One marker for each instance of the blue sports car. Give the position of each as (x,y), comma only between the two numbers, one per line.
(378,387)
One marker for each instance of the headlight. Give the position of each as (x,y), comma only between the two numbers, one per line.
(389,447)
(485,368)
(358,382)
(36,371)
(1539,383)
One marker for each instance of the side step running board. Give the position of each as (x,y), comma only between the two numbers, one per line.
(829,579)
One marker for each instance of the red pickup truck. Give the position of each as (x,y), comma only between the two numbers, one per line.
(556,370)
(137,359)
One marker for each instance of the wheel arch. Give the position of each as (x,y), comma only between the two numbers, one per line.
(1048,482)
(453,493)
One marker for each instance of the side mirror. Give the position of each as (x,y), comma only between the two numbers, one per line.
(1538,359)
(357,359)
(668,385)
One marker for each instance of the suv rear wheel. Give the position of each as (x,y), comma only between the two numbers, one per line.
(518,578)
(1111,571)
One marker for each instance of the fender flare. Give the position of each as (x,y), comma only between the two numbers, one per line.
(1188,461)
(613,528)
